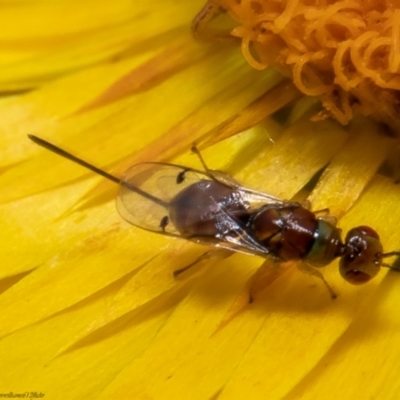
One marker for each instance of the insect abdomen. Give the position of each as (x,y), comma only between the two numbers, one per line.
(202,209)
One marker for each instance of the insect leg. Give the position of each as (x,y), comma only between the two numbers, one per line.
(207,25)
(266,274)
(323,211)
(164,222)
(218,176)
(306,204)
(310,270)
(205,256)
(330,219)
(204,16)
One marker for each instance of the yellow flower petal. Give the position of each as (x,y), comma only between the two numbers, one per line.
(90,307)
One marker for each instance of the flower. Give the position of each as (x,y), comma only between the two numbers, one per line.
(90,306)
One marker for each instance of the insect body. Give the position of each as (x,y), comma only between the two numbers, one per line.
(209,207)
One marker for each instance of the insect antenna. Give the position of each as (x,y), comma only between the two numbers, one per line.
(55,149)
(391,266)
(391,254)
(63,153)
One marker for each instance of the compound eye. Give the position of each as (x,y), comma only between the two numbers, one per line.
(358,276)
(367,231)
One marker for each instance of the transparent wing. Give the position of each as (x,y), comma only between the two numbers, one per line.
(148,188)
(146,191)
(237,240)
(254,198)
